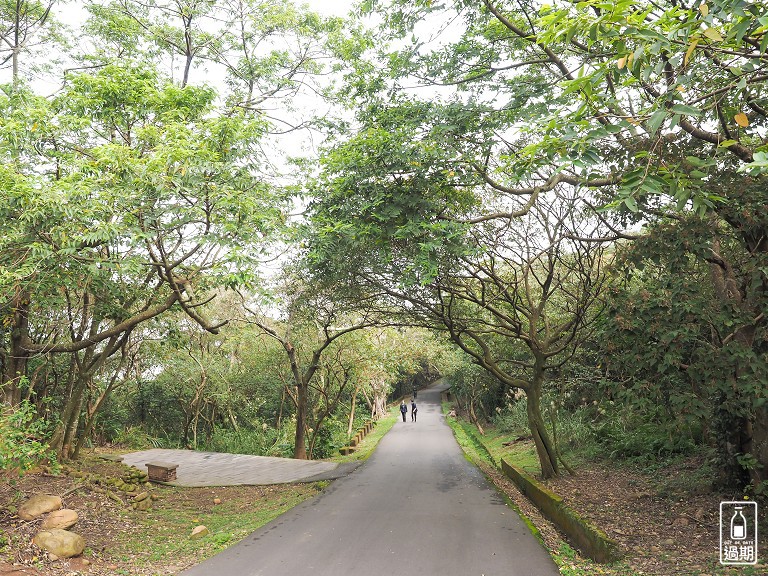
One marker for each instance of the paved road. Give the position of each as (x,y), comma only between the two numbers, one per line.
(416,506)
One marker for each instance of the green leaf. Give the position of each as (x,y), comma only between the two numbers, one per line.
(686,110)
(655,121)
(713,35)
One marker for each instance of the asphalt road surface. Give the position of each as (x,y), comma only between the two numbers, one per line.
(417,506)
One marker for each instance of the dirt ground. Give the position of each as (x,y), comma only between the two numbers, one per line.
(108,525)
(663,530)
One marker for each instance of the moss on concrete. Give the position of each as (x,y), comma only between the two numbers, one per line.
(591,541)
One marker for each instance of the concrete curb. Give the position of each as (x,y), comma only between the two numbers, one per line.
(358,437)
(590,541)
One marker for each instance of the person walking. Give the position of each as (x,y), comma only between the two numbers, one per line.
(403,409)
(413,410)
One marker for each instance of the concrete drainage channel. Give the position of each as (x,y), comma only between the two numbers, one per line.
(589,540)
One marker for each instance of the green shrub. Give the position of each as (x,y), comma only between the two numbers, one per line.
(259,442)
(136,438)
(22,439)
(329,438)
(513,418)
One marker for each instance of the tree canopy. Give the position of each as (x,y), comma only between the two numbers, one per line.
(550,188)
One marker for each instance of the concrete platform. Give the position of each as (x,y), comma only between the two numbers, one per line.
(218,469)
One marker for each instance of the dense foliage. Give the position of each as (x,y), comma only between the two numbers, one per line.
(561,205)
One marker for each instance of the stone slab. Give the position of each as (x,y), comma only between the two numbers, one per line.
(219,469)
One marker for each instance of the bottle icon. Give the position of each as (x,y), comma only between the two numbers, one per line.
(738,525)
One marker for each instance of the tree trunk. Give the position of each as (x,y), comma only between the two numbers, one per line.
(15,366)
(70,418)
(544,447)
(302,401)
(379,400)
(759,444)
(745,433)
(473,416)
(351,421)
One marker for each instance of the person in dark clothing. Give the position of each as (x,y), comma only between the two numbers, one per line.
(413,410)
(403,409)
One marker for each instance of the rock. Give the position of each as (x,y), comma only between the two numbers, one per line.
(199,532)
(143,505)
(38,505)
(217,501)
(62,543)
(63,519)
(141,496)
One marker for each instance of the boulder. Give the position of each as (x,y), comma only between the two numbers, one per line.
(61,543)
(38,505)
(199,532)
(64,518)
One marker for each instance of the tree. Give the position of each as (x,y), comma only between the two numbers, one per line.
(130,196)
(314,320)
(653,106)
(527,272)
(140,201)
(26,27)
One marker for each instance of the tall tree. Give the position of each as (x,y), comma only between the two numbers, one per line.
(314,320)
(651,105)
(129,200)
(25,26)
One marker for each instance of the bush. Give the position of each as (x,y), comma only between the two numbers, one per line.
(329,438)
(22,439)
(136,438)
(643,440)
(608,430)
(513,418)
(258,442)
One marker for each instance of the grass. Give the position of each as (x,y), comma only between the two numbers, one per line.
(369,443)
(522,454)
(571,564)
(242,511)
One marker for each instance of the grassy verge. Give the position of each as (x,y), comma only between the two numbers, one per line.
(369,443)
